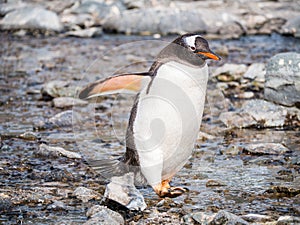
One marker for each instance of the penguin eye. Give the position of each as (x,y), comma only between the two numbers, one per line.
(192,48)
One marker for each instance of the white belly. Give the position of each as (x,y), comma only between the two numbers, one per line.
(168,120)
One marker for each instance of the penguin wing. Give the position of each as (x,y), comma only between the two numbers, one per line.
(122,83)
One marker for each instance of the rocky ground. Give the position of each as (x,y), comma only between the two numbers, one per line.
(246,163)
(88,18)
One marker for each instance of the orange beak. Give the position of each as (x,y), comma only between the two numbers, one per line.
(210,55)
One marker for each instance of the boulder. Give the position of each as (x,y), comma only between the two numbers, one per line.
(34,18)
(282,84)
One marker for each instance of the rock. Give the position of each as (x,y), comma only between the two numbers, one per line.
(89,32)
(256,218)
(222,217)
(259,113)
(287,220)
(283,79)
(85,194)
(64,102)
(214,183)
(122,190)
(62,119)
(8,7)
(102,215)
(29,136)
(155,20)
(45,150)
(57,205)
(230,72)
(265,149)
(34,18)
(292,26)
(77,20)
(256,71)
(57,88)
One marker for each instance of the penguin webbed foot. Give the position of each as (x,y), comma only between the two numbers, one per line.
(174,192)
(165,190)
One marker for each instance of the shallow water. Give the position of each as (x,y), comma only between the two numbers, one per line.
(31,183)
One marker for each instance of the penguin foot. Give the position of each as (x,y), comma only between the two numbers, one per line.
(165,190)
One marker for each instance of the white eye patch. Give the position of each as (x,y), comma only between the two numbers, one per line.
(191,40)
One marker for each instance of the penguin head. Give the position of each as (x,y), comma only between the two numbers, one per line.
(196,44)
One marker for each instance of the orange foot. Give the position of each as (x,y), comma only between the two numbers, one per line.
(165,190)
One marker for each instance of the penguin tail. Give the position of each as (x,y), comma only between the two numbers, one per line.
(122,83)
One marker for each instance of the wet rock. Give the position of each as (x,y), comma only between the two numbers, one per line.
(85,194)
(230,72)
(55,88)
(287,220)
(222,217)
(256,218)
(85,33)
(31,18)
(65,102)
(101,215)
(30,136)
(258,113)
(214,183)
(292,26)
(122,190)
(265,149)
(283,79)
(155,20)
(256,71)
(50,151)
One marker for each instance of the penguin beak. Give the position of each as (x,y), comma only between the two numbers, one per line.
(210,55)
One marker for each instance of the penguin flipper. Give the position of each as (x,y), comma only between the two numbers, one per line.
(122,83)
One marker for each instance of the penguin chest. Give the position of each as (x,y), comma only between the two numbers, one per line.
(168,118)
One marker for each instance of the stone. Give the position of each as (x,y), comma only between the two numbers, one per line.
(256,218)
(65,102)
(85,194)
(229,72)
(292,27)
(28,135)
(265,149)
(224,217)
(282,84)
(34,18)
(57,88)
(8,7)
(256,71)
(45,150)
(102,215)
(287,220)
(122,190)
(155,20)
(214,183)
(259,113)
(85,33)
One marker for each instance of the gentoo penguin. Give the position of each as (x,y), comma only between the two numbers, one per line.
(167,113)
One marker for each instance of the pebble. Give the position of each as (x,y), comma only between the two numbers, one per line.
(86,194)
(122,190)
(86,33)
(265,149)
(46,151)
(65,102)
(255,218)
(230,72)
(214,183)
(287,220)
(102,215)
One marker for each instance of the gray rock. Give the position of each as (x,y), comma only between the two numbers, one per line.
(45,150)
(265,149)
(283,79)
(8,7)
(89,32)
(255,218)
(57,88)
(292,26)
(85,194)
(64,102)
(34,18)
(62,119)
(256,71)
(259,113)
(214,183)
(101,215)
(230,72)
(28,135)
(155,20)
(288,220)
(122,190)
(224,217)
